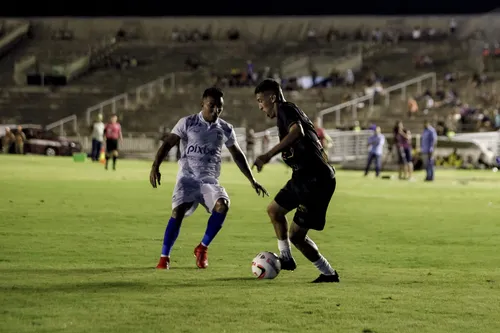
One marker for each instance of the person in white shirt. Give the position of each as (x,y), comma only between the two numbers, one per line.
(97,138)
(201,137)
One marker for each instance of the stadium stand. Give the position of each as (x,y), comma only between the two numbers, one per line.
(159,75)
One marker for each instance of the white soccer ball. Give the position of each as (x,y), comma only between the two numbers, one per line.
(266,265)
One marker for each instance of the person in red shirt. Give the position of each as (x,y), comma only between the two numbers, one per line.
(112,133)
(325,140)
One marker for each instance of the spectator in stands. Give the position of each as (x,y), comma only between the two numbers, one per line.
(349,78)
(416,33)
(453,26)
(478,79)
(311,34)
(450,125)
(266,140)
(250,70)
(412,107)
(176,35)
(429,103)
(496,119)
(20,140)
(233,34)
(97,138)
(7,140)
(356,127)
(191,64)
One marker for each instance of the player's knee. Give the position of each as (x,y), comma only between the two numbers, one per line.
(274,212)
(179,212)
(221,206)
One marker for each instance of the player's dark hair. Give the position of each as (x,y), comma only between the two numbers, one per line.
(270,85)
(213,92)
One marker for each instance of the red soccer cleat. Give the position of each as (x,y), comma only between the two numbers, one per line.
(164,263)
(200,252)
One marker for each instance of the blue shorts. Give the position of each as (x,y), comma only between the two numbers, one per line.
(404,155)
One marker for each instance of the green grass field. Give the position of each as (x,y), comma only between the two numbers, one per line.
(78,246)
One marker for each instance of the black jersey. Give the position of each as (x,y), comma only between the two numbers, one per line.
(306,154)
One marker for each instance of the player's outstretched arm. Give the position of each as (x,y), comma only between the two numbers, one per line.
(242,163)
(295,132)
(171,140)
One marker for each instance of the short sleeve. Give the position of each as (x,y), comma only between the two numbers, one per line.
(230,137)
(180,129)
(288,115)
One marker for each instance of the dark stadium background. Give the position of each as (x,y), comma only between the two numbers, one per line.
(233,8)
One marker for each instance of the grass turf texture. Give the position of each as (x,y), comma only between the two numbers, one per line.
(78,246)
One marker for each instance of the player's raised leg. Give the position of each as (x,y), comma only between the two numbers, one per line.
(299,238)
(280,224)
(171,234)
(214,225)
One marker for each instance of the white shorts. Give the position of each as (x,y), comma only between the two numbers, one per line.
(192,190)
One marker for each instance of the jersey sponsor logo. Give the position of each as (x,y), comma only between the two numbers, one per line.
(202,150)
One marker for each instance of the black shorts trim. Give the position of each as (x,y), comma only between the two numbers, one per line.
(310,196)
(111,145)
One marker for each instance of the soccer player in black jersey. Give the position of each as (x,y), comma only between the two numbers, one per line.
(311,186)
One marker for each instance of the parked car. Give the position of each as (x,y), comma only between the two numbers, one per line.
(45,142)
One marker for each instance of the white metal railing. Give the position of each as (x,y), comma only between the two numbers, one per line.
(370,98)
(123,100)
(60,123)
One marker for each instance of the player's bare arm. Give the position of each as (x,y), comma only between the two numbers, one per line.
(242,163)
(295,132)
(171,140)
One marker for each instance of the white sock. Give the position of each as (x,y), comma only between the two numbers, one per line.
(324,266)
(284,247)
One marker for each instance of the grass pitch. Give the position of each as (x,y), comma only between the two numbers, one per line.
(78,246)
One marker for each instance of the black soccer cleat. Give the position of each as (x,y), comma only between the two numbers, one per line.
(288,264)
(327,278)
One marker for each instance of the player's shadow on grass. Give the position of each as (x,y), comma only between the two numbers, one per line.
(77,287)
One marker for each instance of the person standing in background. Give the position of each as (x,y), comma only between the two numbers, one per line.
(251,144)
(266,140)
(97,137)
(112,133)
(376,143)
(403,144)
(20,140)
(7,140)
(428,147)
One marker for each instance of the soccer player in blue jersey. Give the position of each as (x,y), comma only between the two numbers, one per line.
(201,137)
